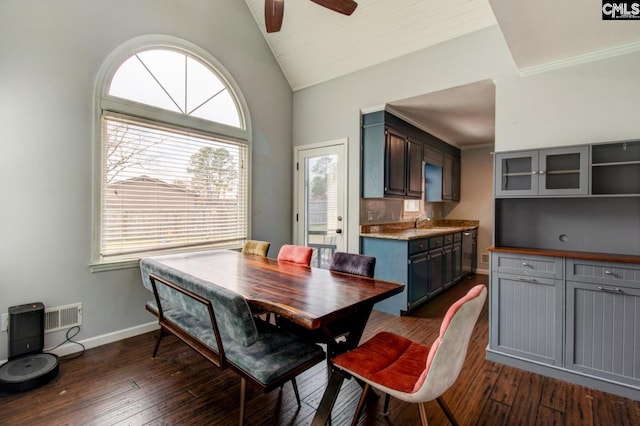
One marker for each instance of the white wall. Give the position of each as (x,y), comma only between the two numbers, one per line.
(597,101)
(50,52)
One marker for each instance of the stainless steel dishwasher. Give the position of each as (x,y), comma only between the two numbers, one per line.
(469,251)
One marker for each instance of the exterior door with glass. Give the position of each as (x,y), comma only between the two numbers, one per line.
(320,199)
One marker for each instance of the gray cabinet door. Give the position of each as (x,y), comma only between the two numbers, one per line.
(418,278)
(564,171)
(526,317)
(603,333)
(516,174)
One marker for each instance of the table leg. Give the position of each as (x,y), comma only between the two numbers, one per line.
(323,414)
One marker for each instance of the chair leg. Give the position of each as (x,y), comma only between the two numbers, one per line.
(361,402)
(160,336)
(386,404)
(243,392)
(422,406)
(447,411)
(295,390)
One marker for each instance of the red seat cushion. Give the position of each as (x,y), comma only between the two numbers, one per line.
(387,359)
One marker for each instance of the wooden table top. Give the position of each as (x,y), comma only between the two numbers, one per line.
(311,297)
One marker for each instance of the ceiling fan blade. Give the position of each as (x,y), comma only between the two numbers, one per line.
(346,7)
(273,13)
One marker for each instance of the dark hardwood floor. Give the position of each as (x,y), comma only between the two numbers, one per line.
(120,384)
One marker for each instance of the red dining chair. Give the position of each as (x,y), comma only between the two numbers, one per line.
(295,254)
(411,371)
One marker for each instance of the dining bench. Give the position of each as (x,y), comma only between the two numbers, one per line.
(218,324)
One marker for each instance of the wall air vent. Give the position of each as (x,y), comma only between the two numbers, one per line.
(62,317)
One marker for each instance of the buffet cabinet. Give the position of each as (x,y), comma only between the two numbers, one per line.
(568,317)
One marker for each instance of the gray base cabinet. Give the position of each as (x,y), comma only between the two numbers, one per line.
(603,320)
(579,317)
(527,305)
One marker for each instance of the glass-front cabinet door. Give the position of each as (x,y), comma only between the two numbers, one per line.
(557,171)
(516,174)
(564,171)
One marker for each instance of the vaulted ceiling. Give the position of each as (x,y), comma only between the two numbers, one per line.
(316,44)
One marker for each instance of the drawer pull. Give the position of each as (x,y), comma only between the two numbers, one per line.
(607,272)
(527,279)
(525,264)
(610,289)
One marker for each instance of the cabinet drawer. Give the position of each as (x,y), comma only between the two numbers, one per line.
(436,242)
(608,273)
(539,266)
(448,239)
(418,246)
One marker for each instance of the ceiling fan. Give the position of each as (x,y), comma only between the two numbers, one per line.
(274,11)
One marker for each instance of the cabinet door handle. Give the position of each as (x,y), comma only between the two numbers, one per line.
(607,272)
(610,289)
(534,172)
(541,172)
(525,264)
(527,279)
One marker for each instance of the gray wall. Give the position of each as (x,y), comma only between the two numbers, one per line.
(597,101)
(50,52)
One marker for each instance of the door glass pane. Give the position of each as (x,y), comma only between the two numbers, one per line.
(321,201)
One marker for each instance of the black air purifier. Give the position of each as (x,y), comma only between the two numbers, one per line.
(28,367)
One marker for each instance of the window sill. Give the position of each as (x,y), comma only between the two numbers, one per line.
(128,263)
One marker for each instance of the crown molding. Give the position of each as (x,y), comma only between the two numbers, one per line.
(581,59)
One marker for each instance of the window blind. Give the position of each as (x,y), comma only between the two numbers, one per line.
(164,188)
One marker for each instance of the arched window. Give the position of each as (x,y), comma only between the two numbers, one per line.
(174,154)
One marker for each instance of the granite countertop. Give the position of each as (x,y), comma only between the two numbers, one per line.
(409,231)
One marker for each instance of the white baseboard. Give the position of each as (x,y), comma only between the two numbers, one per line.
(93,342)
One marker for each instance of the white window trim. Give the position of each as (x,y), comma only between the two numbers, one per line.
(103,101)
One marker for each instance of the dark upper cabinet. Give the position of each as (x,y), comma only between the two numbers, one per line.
(391,160)
(414,168)
(393,153)
(395,169)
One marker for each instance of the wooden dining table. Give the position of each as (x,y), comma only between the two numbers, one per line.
(315,299)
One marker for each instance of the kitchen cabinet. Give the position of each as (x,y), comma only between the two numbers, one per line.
(447,253)
(567,315)
(456,255)
(615,169)
(527,299)
(436,265)
(419,263)
(391,160)
(451,178)
(545,172)
(603,307)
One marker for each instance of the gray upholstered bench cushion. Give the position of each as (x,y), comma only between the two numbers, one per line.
(274,353)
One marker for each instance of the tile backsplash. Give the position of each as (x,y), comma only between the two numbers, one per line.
(387,210)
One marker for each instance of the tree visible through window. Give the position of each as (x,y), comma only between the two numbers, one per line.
(171,177)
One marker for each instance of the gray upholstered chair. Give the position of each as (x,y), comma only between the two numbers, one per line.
(355,264)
